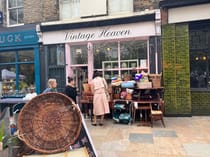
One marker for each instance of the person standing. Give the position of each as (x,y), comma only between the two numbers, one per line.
(52,85)
(70,89)
(100,102)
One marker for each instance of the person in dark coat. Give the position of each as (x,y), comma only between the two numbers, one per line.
(71,90)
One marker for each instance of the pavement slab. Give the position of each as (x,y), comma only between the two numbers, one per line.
(182,137)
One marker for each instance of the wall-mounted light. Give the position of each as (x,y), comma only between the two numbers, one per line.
(204,58)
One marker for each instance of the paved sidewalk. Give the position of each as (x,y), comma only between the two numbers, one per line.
(182,137)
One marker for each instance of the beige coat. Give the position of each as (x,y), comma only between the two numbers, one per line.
(100,102)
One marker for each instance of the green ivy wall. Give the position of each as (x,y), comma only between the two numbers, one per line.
(200,103)
(176,72)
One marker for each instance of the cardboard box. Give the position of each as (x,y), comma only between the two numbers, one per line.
(143,85)
(155,79)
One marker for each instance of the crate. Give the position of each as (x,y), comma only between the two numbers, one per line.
(155,79)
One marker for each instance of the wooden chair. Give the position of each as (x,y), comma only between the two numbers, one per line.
(157,114)
(86,102)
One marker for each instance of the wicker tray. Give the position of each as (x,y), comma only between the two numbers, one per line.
(49,123)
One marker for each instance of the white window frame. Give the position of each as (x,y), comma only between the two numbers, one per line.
(8,14)
(120,6)
(74,9)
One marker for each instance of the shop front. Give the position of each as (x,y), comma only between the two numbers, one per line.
(185,49)
(19,62)
(116,47)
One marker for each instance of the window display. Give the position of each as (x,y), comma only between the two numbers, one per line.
(120,58)
(17,78)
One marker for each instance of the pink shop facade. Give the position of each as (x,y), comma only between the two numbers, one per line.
(116,47)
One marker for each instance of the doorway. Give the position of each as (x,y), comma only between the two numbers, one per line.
(81,76)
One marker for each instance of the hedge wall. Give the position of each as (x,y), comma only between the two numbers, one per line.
(176,69)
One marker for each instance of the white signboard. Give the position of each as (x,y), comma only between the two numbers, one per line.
(189,13)
(144,29)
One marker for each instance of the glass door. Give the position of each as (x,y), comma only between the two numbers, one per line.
(81,76)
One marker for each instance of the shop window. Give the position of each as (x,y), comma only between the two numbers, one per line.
(17,77)
(15,10)
(7,57)
(25,56)
(56,64)
(56,55)
(199,69)
(95,8)
(200,58)
(105,52)
(133,50)
(69,9)
(79,54)
(140,5)
(131,55)
(117,6)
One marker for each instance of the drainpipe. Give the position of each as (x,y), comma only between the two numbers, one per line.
(157,32)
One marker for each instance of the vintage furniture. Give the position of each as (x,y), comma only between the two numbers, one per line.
(122,68)
(86,102)
(144,107)
(158,113)
(147,98)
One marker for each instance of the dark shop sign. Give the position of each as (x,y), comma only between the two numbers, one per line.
(18,38)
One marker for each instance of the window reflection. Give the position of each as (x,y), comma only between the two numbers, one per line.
(56,55)
(198,70)
(199,56)
(133,50)
(15,9)
(27,80)
(104,52)
(8,76)
(25,55)
(79,54)
(6,57)
(112,63)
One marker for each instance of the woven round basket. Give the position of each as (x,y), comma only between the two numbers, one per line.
(49,123)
